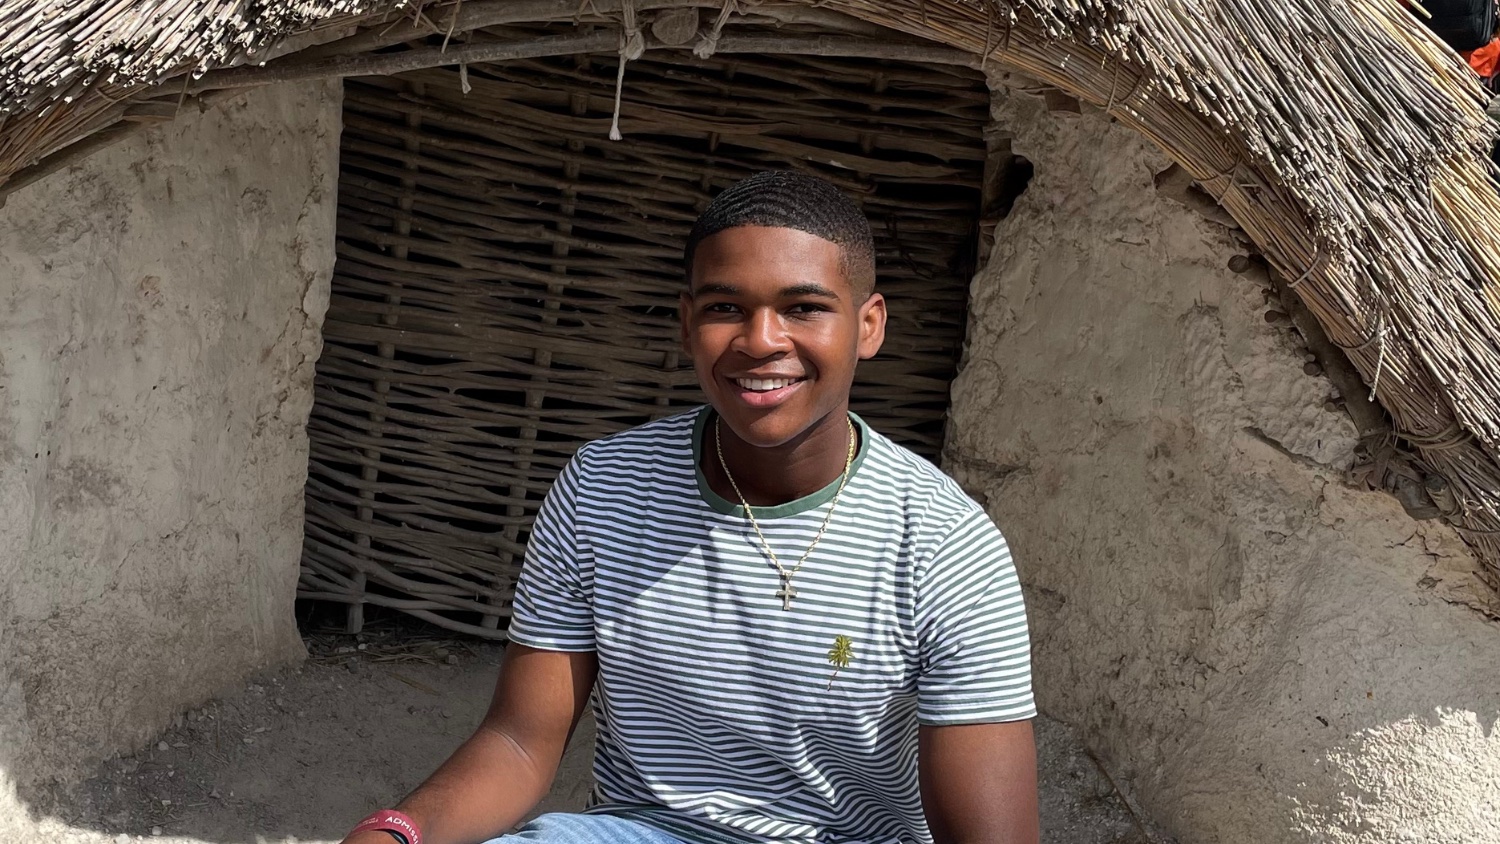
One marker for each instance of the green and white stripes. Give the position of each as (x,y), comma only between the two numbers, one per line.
(718,715)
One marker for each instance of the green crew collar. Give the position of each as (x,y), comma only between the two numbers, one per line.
(791,508)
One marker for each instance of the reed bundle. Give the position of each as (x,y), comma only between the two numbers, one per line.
(1346,140)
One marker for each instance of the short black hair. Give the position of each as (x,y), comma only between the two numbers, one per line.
(790,200)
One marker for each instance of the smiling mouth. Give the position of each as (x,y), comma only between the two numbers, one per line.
(765,385)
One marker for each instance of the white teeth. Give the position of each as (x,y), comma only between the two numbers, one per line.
(761,385)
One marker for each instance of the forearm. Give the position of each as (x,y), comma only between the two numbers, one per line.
(489,784)
(484,789)
(979,783)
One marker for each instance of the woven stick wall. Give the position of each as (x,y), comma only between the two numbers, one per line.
(507,283)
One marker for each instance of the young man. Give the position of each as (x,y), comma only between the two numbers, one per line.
(795,630)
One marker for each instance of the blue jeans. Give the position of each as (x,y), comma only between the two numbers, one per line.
(559,828)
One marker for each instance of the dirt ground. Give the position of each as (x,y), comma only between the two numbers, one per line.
(300,755)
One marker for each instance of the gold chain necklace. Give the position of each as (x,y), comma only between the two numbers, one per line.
(786,593)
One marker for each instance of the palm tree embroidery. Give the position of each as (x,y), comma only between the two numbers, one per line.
(839,656)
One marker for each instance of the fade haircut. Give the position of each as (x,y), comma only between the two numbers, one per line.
(786,199)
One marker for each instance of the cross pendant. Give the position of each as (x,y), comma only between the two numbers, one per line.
(786,594)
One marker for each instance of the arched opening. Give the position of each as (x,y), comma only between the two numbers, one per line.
(507,282)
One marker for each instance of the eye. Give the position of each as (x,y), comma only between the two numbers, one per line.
(807,309)
(720,308)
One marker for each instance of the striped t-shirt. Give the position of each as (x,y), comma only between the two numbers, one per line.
(721,716)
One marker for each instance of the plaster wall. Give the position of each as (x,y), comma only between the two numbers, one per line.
(160,315)
(1259,652)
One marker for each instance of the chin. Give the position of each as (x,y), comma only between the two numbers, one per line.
(763,432)
(766,429)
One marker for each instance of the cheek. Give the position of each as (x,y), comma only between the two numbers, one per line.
(706,343)
(831,350)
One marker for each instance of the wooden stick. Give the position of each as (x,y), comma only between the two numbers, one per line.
(410,60)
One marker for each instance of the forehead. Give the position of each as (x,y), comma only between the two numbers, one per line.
(768,254)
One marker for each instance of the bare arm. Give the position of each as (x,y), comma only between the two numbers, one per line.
(979,783)
(507,766)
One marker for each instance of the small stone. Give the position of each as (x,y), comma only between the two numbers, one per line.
(122,838)
(163,746)
(1312,368)
(214,794)
(451,659)
(445,713)
(440,652)
(1239,263)
(156,830)
(248,740)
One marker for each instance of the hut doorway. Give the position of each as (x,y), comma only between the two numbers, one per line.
(507,281)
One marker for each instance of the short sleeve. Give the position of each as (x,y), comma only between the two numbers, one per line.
(974,646)
(554,606)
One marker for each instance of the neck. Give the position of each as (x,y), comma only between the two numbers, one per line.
(771,476)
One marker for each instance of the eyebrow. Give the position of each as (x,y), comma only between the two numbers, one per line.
(807,288)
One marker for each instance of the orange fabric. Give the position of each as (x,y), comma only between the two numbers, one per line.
(1484,60)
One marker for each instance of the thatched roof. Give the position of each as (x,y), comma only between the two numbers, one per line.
(1346,140)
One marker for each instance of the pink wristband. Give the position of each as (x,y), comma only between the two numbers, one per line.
(390,820)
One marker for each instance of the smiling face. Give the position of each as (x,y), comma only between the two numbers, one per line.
(775,330)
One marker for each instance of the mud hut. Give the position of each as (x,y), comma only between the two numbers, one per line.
(1202,307)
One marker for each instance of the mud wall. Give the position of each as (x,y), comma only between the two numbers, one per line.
(160,307)
(1258,651)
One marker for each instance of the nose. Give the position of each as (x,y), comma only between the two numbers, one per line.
(763,335)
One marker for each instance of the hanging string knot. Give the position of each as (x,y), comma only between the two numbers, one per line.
(709,44)
(632,47)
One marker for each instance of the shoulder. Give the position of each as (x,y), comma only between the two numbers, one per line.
(915,490)
(651,452)
(671,436)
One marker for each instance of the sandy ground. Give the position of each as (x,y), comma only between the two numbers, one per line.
(300,755)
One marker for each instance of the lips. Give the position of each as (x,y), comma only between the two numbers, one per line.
(763,385)
(765,392)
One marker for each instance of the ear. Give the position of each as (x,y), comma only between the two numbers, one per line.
(684,314)
(871,326)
